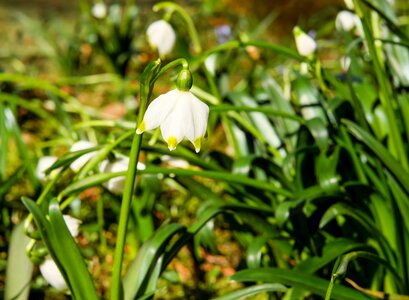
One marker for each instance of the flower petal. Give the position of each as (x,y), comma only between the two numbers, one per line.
(158,110)
(52,274)
(200,114)
(179,121)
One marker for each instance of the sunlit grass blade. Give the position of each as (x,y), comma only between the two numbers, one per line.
(298,279)
(381,152)
(253,290)
(19,267)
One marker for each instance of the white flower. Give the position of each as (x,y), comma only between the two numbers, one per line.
(43,164)
(210,63)
(346,21)
(161,36)
(52,274)
(73,224)
(99,10)
(49,269)
(345,62)
(116,185)
(179,114)
(77,164)
(306,45)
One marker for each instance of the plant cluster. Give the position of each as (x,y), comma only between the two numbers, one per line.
(294,183)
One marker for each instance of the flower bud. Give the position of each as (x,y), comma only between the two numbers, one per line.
(184,81)
(305,44)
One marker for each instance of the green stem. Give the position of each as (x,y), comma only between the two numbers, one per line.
(172,64)
(147,81)
(239,44)
(330,287)
(116,289)
(170,6)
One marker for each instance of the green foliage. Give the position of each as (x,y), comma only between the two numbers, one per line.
(300,189)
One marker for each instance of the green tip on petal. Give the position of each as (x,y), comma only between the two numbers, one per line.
(197,143)
(172,142)
(141,128)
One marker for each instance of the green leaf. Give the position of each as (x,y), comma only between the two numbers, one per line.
(255,252)
(63,249)
(318,130)
(144,269)
(383,154)
(331,251)
(19,267)
(253,290)
(298,279)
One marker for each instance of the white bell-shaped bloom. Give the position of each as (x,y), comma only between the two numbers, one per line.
(116,185)
(52,274)
(161,36)
(345,62)
(49,269)
(346,21)
(305,44)
(73,224)
(77,164)
(179,114)
(43,164)
(99,10)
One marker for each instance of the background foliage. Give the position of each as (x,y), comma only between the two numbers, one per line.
(299,192)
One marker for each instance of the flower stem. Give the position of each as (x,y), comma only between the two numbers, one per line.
(149,73)
(170,6)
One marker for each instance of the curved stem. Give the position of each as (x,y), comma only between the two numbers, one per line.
(180,61)
(170,6)
(238,44)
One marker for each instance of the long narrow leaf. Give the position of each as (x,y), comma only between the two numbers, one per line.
(298,279)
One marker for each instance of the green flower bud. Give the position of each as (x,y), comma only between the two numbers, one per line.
(184,81)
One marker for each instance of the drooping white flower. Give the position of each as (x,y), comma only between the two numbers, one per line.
(73,224)
(49,269)
(179,114)
(306,45)
(345,62)
(52,274)
(99,10)
(43,164)
(77,164)
(116,185)
(161,36)
(346,21)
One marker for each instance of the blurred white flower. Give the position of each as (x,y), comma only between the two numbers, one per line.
(179,114)
(210,63)
(306,45)
(345,62)
(99,10)
(77,164)
(73,224)
(43,164)
(52,274)
(116,185)
(161,36)
(49,269)
(346,21)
